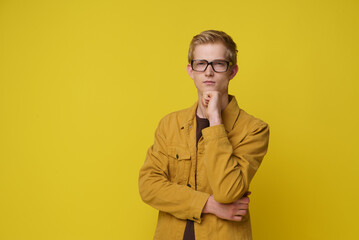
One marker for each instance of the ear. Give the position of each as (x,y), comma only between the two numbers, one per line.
(189,70)
(234,70)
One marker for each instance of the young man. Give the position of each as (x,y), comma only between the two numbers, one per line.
(197,172)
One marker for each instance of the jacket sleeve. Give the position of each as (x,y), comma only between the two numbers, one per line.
(230,168)
(157,190)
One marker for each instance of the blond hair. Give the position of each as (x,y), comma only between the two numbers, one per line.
(214,36)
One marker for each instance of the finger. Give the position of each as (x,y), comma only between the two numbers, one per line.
(204,102)
(244,200)
(242,206)
(207,95)
(241,212)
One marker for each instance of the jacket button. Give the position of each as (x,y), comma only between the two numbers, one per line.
(188,185)
(177,156)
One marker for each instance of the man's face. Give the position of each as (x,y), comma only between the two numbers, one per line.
(209,80)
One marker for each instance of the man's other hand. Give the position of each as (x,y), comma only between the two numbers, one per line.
(231,211)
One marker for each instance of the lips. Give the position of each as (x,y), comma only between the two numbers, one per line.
(209,82)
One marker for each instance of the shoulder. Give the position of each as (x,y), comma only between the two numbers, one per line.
(180,115)
(176,119)
(250,119)
(249,124)
(249,129)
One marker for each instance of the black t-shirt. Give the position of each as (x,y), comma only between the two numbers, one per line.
(189,230)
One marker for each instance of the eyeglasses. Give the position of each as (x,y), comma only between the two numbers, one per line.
(217,65)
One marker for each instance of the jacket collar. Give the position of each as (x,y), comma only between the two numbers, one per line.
(229,114)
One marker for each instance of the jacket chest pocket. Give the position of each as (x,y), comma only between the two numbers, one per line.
(179,163)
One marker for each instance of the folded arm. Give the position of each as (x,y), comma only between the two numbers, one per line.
(230,169)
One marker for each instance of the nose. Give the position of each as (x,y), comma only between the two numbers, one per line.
(209,71)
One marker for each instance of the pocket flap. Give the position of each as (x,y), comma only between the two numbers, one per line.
(179,153)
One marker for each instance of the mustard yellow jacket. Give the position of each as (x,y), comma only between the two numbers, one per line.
(223,165)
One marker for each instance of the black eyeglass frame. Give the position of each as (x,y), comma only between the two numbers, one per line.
(210,63)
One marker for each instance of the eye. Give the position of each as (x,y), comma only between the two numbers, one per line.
(221,63)
(200,63)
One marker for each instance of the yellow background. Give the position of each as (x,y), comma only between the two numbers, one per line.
(83,85)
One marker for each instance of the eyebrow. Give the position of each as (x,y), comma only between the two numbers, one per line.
(212,60)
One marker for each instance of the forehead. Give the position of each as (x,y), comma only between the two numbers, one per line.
(210,51)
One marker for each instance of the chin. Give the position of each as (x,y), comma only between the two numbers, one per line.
(208,89)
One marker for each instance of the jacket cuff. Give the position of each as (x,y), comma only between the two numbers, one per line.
(198,204)
(214,132)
